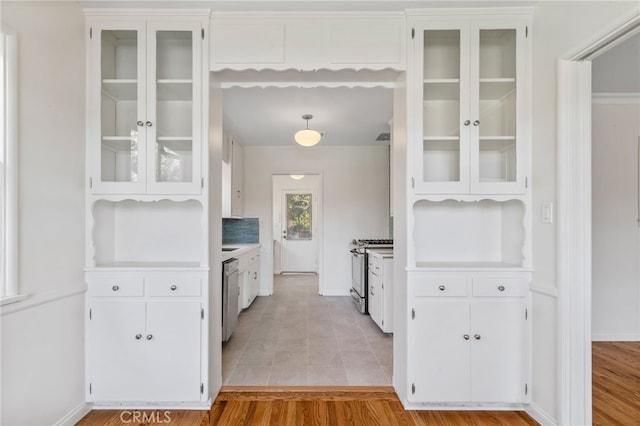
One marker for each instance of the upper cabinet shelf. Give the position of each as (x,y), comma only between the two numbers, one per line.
(471,107)
(145,131)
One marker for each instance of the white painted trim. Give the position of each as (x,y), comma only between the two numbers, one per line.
(616,98)
(541,416)
(308,85)
(616,337)
(75,415)
(41,299)
(544,290)
(623,28)
(574,242)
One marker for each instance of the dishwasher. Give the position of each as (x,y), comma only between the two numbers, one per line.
(230,296)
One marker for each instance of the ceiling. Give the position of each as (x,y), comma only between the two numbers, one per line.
(351,108)
(618,70)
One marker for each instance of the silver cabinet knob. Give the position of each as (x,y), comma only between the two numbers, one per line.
(115,288)
(140,123)
(173,287)
(150,336)
(477,336)
(138,336)
(148,123)
(467,122)
(476,123)
(466,337)
(442,288)
(501,288)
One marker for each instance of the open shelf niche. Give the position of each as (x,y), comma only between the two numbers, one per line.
(463,234)
(148,234)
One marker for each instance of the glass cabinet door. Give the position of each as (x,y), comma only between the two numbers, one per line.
(120,63)
(174,104)
(495,144)
(443,155)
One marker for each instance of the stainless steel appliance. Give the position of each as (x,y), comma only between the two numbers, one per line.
(360,271)
(230,295)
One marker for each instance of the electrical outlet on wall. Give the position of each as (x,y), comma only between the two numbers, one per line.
(546,213)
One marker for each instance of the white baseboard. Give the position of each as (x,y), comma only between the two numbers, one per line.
(540,416)
(615,337)
(74,416)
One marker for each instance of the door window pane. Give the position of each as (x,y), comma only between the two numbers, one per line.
(298,216)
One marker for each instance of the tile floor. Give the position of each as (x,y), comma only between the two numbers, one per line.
(296,337)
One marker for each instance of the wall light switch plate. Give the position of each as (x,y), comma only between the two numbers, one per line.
(546,213)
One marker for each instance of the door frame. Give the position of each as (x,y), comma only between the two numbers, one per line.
(574,221)
(319,221)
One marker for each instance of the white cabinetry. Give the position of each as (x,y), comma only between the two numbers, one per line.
(249,270)
(469,248)
(232,177)
(468,338)
(146,249)
(380,282)
(471,105)
(307,41)
(144,337)
(145,105)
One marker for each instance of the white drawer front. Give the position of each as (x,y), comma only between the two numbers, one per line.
(445,286)
(174,285)
(500,287)
(116,287)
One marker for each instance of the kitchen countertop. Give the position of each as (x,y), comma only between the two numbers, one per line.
(382,252)
(242,249)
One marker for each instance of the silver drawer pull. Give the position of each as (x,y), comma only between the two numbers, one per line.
(477,336)
(174,287)
(149,336)
(138,336)
(501,287)
(442,288)
(115,288)
(466,337)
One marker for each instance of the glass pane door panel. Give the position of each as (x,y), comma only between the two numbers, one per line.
(119,106)
(497,106)
(299,217)
(175,160)
(174,106)
(441,160)
(497,160)
(441,54)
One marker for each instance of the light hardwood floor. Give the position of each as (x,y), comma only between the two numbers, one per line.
(616,383)
(308,406)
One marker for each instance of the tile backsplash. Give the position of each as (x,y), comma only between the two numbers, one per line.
(240,231)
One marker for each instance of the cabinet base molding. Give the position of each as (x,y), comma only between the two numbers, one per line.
(206,405)
(471,406)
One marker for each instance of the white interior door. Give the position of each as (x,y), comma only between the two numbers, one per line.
(298,231)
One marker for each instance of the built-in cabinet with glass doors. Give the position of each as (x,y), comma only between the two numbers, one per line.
(147,303)
(469,222)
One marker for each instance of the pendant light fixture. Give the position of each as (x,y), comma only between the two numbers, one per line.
(307,137)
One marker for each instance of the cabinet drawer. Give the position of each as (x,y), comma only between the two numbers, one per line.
(499,287)
(445,286)
(173,285)
(116,286)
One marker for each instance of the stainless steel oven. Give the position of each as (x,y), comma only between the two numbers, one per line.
(360,271)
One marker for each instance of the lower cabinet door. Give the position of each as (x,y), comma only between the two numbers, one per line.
(116,349)
(173,351)
(439,351)
(498,334)
(375,299)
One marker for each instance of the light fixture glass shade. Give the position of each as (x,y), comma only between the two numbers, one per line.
(307,137)
(297,177)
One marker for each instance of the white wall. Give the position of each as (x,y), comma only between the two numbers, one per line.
(556,32)
(42,371)
(355,201)
(616,242)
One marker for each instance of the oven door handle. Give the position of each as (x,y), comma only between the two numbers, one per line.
(355,252)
